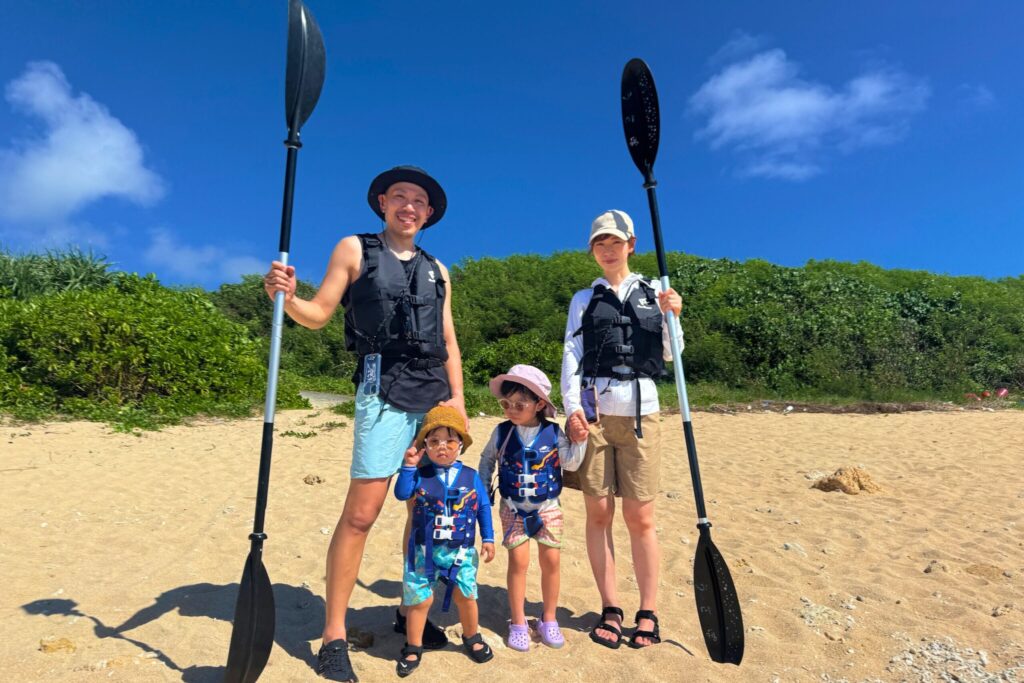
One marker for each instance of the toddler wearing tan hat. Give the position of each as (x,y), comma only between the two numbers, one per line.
(450,502)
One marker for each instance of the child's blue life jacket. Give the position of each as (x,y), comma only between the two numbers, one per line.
(446,515)
(529,473)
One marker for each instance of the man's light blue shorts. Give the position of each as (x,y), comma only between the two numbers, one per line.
(383,433)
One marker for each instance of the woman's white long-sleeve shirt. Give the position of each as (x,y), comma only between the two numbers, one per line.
(615,397)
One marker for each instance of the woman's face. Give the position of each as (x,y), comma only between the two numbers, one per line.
(611,252)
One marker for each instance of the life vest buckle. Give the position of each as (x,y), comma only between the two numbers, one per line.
(623,349)
(444,521)
(443,534)
(531,491)
(527,478)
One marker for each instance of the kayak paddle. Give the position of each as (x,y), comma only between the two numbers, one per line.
(252,635)
(718,606)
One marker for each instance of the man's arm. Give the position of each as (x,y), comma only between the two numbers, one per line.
(454,363)
(342,269)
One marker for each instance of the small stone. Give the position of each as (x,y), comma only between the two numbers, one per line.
(934,566)
(1000,610)
(312,479)
(673,495)
(796,547)
(325,530)
(51,645)
(859,598)
(850,650)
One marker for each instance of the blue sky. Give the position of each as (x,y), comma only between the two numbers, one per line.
(151,131)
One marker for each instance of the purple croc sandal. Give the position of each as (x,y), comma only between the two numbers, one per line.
(519,637)
(550,634)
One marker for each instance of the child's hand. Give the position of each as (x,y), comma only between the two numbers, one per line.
(487,551)
(669,299)
(578,429)
(412,457)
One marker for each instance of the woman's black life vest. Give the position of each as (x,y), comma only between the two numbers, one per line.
(623,333)
(443,515)
(396,309)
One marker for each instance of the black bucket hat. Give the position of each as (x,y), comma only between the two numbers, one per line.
(416,176)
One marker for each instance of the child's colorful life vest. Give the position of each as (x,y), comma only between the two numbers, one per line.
(529,473)
(445,515)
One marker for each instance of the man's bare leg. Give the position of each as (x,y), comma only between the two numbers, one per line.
(362,506)
(643,539)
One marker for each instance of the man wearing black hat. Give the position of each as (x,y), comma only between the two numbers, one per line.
(398,319)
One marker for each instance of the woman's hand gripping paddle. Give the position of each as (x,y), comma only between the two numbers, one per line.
(252,635)
(718,606)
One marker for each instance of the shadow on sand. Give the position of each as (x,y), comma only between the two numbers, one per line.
(299,619)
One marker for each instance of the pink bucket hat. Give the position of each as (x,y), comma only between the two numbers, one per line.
(531,378)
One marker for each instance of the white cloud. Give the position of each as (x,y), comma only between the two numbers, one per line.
(977,96)
(784,127)
(740,46)
(84,154)
(203,264)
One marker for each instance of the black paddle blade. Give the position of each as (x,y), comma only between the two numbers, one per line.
(253,633)
(718,606)
(304,77)
(640,119)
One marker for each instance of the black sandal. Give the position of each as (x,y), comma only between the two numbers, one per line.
(333,662)
(608,625)
(407,666)
(480,656)
(433,636)
(654,636)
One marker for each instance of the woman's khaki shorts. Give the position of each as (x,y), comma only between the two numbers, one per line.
(617,463)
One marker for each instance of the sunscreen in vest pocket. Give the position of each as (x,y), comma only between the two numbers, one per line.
(371,374)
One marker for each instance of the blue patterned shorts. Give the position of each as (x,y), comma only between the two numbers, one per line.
(417,586)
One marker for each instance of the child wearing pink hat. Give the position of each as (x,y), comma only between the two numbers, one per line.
(529,451)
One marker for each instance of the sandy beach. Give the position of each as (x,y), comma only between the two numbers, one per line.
(121,553)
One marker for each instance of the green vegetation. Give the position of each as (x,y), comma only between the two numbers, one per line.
(78,339)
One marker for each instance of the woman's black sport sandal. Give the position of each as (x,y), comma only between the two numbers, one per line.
(480,656)
(653,636)
(608,625)
(407,666)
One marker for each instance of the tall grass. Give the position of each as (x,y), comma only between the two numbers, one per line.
(26,276)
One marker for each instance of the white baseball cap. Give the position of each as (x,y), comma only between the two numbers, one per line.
(613,222)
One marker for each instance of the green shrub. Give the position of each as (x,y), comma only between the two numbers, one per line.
(135,353)
(304,352)
(497,357)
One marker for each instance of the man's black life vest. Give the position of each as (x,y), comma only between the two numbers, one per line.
(623,333)
(397,310)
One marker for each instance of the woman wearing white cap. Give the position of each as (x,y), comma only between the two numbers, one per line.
(616,343)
